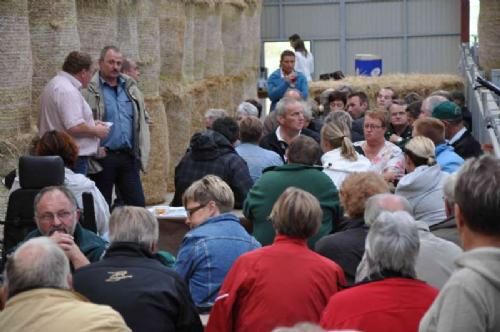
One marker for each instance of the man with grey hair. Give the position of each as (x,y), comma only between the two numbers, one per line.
(149,296)
(245,109)
(435,258)
(56,216)
(290,116)
(470,300)
(391,296)
(447,229)
(429,103)
(38,284)
(213,114)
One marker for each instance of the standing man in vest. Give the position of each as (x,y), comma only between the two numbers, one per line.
(116,99)
(63,108)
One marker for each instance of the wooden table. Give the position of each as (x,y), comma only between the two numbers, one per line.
(172,228)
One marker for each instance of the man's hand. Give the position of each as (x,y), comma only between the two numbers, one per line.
(291,78)
(101,129)
(394,138)
(68,245)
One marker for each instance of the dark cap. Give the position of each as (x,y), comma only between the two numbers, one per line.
(447,111)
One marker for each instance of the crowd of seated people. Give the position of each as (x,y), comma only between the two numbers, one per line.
(381,218)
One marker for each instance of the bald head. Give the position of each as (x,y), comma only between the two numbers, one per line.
(293,94)
(38,263)
(379,203)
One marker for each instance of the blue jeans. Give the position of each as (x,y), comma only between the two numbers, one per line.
(121,169)
(81,165)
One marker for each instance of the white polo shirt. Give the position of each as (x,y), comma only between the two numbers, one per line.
(62,106)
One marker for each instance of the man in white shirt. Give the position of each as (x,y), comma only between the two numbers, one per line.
(63,108)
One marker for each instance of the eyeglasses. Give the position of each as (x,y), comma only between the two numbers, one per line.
(371,126)
(192,211)
(62,215)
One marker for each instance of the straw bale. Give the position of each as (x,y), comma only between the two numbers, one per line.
(489,35)
(220,92)
(155,179)
(199,95)
(172,25)
(177,105)
(14,146)
(249,85)
(214,55)
(127,21)
(201,14)
(232,38)
(97,24)
(238,89)
(16,68)
(188,55)
(423,84)
(53,28)
(149,48)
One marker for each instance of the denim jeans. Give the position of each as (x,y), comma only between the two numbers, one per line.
(81,165)
(120,169)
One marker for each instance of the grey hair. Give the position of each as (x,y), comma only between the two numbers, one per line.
(392,244)
(283,104)
(430,102)
(308,115)
(105,50)
(379,203)
(133,224)
(69,195)
(216,113)
(449,188)
(248,109)
(38,263)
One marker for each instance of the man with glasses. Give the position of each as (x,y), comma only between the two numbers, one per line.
(56,216)
(399,129)
(63,108)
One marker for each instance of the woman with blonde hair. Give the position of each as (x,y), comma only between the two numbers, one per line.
(340,158)
(423,185)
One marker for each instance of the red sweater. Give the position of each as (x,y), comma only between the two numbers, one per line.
(277,285)
(390,305)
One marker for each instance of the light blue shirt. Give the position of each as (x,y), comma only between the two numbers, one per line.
(258,158)
(120,111)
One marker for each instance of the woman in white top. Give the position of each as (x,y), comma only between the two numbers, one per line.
(386,158)
(423,185)
(304,60)
(56,143)
(340,159)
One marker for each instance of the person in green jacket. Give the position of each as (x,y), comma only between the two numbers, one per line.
(303,153)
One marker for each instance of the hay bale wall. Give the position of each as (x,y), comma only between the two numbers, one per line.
(489,35)
(194,55)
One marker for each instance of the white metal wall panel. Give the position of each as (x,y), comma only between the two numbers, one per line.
(269,27)
(409,35)
(320,21)
(433,16)
(326,57)
(388,49)
(434,55)
(374,18)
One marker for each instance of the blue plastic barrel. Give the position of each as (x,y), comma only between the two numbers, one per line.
(368,65)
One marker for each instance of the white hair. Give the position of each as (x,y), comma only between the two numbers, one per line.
(379,203)
(247,108)
(38,263)
(133,224)
(392,244)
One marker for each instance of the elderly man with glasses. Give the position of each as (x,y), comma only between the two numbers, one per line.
(56,216)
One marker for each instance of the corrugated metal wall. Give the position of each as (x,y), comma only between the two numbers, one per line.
(409,35)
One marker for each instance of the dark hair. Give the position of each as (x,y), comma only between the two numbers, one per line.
(298,45)
(477,193)
(294,37)
(250,130)
(58,143)
(412,97)
(337,95)
(106,49)
(414,109)
(286,53)
(458,95)
(126,65)
(304,150)
(256,104)
(228,127)
(77,61)
(363,98)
